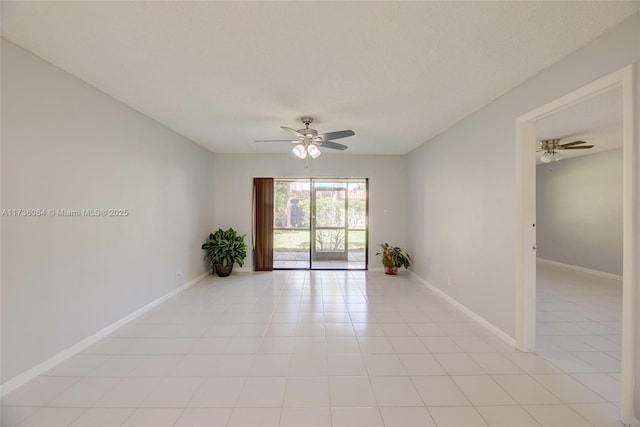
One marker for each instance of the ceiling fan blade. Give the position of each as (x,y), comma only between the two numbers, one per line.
(582,147)
(292,131)
(568,144)
(333,145)
(337,134)
(272,140)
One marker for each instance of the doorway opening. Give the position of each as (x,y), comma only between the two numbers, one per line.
(579,247)
(320,224)
(527,236)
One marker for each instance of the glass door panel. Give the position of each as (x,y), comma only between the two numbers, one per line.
(339,224)
(357,210)
(329,209)
(291,228)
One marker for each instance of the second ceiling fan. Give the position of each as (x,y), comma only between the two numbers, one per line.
(550,147)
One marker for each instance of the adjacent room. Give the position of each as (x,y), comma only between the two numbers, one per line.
(580,245)
(309,214)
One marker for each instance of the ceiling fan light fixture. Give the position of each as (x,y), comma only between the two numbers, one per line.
(307,140)
(551,147)
(313,151)
(300,151)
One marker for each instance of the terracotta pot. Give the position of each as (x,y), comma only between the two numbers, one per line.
(390,270)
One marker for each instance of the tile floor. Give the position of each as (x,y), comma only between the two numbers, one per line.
(335,348)
(579,331)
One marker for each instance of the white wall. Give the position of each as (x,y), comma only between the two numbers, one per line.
(579,211)
(234,175)
(67,145)
(462,185)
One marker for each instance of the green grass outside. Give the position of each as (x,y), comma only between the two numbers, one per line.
(298,240)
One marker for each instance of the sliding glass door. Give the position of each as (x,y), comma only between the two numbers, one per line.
(320,224)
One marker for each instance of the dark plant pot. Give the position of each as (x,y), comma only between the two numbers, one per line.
(390,270)
(223,271)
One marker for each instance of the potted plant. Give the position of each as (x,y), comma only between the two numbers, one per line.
(224,248)
(393,257)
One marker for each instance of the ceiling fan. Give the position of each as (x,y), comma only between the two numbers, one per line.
(308,140)
(550,147)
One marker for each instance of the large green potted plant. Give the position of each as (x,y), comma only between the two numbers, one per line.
(224,248)
(393,257)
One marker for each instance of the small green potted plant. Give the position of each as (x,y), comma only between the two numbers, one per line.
(393,257)
(224,248)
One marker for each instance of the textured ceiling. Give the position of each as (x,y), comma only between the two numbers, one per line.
(226,73)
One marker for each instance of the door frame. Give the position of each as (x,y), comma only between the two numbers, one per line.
(526,207)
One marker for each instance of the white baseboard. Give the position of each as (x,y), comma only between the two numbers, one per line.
(470,313)
(580,269)
(635,422)
(25,377)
